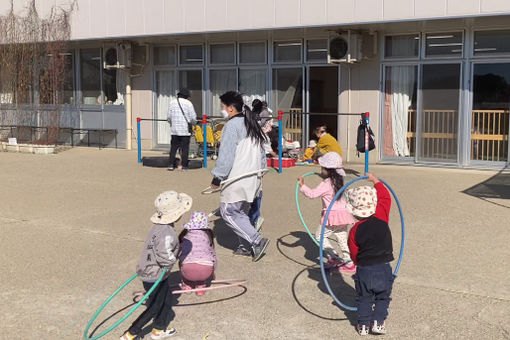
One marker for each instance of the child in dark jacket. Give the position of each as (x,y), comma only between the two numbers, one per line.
(159,252)
(371,249)
(197,258)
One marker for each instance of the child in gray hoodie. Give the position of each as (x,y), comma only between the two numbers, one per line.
(159,251)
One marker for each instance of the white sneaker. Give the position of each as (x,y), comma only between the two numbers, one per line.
(378,329)
(162,334)
(259,222)
(363,330)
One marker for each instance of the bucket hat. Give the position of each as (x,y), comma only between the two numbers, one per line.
(312,143)
(332,160)
(170,205)
(361,201)
(197,220)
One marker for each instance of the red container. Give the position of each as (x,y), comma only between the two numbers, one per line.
(269,162)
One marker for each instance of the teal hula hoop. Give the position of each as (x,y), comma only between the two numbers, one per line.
(323,227)
(296,195)
(131,310)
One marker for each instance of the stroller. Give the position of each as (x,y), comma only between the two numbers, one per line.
(213,136)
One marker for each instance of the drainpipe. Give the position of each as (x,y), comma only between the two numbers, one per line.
(129,127)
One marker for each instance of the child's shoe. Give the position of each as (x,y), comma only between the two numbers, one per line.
(127,336)
(200,292)
(162,334)
(378,328)
(363,329)
(185,287)
(347,268)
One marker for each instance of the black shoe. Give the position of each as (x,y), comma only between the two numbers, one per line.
(259,249)
(242,251)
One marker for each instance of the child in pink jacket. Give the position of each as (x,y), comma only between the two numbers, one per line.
(197,257)
(339,219)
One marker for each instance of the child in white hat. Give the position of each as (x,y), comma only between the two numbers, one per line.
(159,251)
(197,258)
(309,151)
(339,218)
(371,249)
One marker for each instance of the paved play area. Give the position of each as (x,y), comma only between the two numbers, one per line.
(72,227)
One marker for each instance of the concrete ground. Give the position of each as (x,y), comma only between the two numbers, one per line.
(72,226)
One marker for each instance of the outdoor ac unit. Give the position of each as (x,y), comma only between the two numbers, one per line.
(345,48)
(117,56)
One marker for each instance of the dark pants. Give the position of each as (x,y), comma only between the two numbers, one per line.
(373,289)
(159,308)
(179,142)
(254,212)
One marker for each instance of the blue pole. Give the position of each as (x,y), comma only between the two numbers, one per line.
(204,136)
(367,137)
(280,146)
(138,139)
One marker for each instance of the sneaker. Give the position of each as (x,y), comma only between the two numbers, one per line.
(170,168)
(258,223)
(363,329)
(127,336)
(200,292)
(259,249)
(184,286)
(378,328)
(347,267)
(162,334)
(242,251)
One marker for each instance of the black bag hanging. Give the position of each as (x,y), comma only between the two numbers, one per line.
(360,141)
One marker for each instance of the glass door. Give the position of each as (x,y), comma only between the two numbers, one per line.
(490,112)
(288,97)
(439,113)
(166,91)
(192,80)
(322,97)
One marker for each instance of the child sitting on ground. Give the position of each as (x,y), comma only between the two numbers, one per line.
(339,219)
(309,151)
(197,258)
(159,251)
(371,249)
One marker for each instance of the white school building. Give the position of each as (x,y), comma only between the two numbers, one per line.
(434,74)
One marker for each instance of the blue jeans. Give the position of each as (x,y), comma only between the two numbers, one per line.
(254,212)
(373,289)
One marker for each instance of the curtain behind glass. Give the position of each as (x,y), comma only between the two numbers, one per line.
(166,90)
(402,85)
(221,81)
(252,85)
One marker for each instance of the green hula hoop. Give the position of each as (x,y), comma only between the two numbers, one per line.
(296,195)
(109,329)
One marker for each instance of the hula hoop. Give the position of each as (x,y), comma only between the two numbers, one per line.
(210,190)
(296,195)
(129,312)
(323,271)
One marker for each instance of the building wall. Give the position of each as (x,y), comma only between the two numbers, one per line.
(97,19)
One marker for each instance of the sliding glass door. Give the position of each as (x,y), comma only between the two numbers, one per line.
(439,113)
(166,90)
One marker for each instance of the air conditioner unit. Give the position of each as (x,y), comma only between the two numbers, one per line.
(345,48)
(117,56)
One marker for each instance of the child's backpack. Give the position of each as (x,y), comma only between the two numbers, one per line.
(360,142)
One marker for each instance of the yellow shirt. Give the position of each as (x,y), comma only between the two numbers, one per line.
(308,153)
(328,143)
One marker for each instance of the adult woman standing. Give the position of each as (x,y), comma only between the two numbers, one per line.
(241,151)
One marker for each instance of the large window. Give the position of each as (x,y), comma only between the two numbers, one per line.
(90,71)
(192,80)
(222,54)
(492,42)
(56,79)
(401,46)
(440,111)
(191,55)
(287,51)
(221,81)
(252,53)
(443,44)
(399,123)
(490,115)
(252,84)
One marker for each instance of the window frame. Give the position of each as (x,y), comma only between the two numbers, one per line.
(443,56)
(266,57)
(204,57)
(315,62)
(415,58)
(289,62)
(472,54)
(153,59)
(209,49)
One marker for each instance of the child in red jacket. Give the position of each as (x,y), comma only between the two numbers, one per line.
(371,249)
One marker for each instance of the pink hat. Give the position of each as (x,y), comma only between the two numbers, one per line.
(332,160)
(197,220)
(361,201)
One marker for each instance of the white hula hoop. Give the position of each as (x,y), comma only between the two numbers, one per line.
(210,190)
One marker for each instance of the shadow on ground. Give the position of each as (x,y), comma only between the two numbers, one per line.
(498,186)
